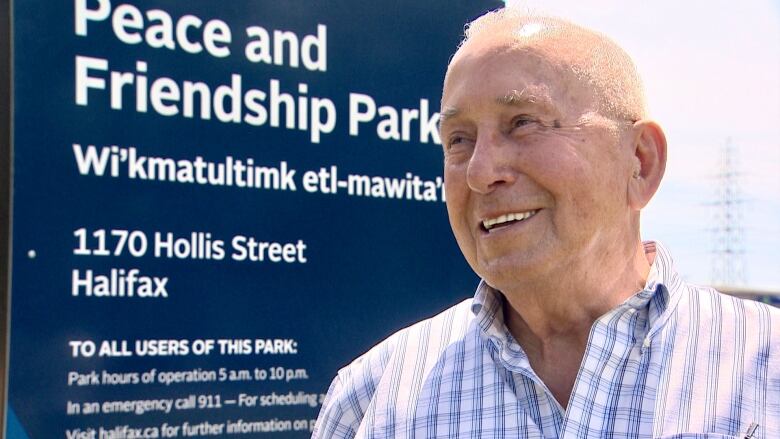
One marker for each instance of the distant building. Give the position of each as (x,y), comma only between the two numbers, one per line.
(770,297)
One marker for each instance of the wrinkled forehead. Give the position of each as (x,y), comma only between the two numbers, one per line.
(530,70)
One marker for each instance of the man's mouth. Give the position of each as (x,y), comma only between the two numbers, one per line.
(507,219)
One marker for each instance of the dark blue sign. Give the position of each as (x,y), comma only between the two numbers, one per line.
(216,205)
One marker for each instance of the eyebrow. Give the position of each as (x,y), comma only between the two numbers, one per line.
(523,98)
(514,98)
(447,113)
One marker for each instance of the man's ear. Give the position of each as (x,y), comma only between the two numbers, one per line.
(649,148)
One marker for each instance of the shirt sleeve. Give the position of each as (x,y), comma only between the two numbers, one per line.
(339,418)
(352,393)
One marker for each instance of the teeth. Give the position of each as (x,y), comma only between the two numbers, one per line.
(521,216)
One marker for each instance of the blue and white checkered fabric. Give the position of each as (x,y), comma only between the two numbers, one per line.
(673,361)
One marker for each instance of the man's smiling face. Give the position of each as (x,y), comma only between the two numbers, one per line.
(534,176)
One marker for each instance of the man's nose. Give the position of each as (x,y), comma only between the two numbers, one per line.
(490,164)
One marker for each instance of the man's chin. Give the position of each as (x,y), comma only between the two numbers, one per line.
(510,270)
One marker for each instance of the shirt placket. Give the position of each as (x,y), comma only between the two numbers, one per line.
(538,402)
(607,374)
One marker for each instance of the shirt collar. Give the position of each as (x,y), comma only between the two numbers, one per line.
(665,286)
(660,296)
(487,306)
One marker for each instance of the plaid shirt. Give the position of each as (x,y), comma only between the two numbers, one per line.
(673,361)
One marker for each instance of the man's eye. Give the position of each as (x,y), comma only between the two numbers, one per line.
(522,121)
(457,141)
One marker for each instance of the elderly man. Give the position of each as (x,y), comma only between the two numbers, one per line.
(578,328)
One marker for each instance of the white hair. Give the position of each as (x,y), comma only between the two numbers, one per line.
(593,58)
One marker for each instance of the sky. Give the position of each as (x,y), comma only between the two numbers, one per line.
(712,72)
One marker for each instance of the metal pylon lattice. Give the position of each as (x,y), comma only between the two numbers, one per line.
(728,235)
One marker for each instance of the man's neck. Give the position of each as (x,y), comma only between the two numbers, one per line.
(552,319)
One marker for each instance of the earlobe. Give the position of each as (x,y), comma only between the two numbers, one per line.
(649,149)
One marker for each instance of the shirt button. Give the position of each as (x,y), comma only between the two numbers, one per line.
(646,343)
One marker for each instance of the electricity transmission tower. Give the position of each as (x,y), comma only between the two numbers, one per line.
(728,235)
